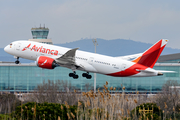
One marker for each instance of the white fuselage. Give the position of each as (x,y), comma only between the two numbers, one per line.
(91,62)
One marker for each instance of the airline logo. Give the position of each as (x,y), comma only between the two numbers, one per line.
(41,49)
(43,62)
(26,47)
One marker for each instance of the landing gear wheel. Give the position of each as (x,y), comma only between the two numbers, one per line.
(73,75)
(17,61)
(88,76)
(84,74)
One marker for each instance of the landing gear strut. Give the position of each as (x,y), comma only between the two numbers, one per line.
(87,75)
(17,61)
(73,75)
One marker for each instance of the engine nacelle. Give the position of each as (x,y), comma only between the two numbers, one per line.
(46,62)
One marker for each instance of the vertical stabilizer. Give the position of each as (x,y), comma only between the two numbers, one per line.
(150,56)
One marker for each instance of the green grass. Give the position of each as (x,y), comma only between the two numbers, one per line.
(4,117)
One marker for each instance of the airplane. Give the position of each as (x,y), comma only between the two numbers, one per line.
(50,56)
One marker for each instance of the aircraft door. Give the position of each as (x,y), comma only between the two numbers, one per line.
(91,60)
(123,67)
(18,46)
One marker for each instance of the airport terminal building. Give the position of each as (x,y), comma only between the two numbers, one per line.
(26,77)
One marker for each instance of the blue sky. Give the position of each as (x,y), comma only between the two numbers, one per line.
(70,20)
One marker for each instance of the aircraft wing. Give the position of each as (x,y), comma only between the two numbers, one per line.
(130,57)
(68,58)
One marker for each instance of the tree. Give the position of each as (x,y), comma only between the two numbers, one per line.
(47,111)
(147,110)
(8,102)
(168,99)
(55,92)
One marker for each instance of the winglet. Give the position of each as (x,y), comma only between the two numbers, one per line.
(150,56)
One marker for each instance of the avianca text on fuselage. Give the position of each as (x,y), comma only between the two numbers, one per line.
(41,49)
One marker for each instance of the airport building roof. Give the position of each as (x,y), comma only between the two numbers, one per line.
(173,58)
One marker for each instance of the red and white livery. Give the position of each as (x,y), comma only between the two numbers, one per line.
(51,56)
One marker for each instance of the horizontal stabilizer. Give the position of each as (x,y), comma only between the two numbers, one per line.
(152,71)
(158,72)
(147,70)
(163,71)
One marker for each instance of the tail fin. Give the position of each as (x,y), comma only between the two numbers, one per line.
(150,56)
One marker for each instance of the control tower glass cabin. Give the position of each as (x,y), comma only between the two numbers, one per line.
(40,35)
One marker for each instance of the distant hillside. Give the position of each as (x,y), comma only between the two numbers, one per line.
(118,47)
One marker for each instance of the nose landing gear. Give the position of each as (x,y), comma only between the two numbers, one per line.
(17,61)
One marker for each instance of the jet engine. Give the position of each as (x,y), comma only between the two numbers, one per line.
(46,62)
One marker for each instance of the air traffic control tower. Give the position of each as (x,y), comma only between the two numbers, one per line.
(40,35)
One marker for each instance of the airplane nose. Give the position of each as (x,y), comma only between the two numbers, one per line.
(6,49)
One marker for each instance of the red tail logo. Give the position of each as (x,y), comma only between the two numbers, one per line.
(151,55)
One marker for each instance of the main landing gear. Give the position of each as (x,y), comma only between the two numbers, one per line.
(73,75)
(17,61)
(87,75)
